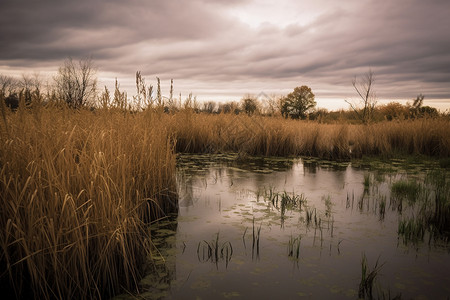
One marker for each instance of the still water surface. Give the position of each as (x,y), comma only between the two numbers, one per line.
(230,240)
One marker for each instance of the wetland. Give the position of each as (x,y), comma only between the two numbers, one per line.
(266,228)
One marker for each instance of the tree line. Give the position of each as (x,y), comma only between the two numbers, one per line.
(75,85)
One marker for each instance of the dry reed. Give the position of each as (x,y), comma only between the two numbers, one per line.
(272,136)
(77,189)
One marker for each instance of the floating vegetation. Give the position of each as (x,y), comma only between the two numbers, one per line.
(215,251)
(308,236)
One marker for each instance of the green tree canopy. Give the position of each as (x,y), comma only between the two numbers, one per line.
(298,103)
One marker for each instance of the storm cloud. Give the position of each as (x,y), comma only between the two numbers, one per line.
(228,47)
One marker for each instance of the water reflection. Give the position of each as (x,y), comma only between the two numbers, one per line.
(290,228)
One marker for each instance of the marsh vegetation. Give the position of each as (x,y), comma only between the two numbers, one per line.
(84,191)
(338,238)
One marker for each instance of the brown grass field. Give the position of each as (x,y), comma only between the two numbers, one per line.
(78,187)
(276,136)
(77,190)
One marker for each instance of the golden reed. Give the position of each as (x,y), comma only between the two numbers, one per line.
(78,187)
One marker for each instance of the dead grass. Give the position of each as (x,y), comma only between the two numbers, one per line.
(77,189)
(257,135)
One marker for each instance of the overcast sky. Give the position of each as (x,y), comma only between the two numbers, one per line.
(223,49)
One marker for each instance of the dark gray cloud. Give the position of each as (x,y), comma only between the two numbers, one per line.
(324,43)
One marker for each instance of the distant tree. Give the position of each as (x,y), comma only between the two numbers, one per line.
(250,105)
(12,101)
(30,86)
(298,103)
(318,114)
(272,106)
(417,110)
(22,90)
(76,83)
(364,88)
(229,108)
(8,85)
(393,110)
(427,111)
(416,106)
(209,107)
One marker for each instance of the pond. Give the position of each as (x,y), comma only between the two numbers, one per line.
(260,228)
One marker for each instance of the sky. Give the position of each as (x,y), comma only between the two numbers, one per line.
(222,50)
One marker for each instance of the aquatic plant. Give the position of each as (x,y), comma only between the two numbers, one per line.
(439,218)
(215,251)
(366,181)
(382,208)
(406,189)
(310,212)
(328,204)
(368,277)
(294,247)
(255,239)
(433,212)
(412,230)
(285,201)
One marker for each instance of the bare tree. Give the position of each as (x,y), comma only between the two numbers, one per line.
(368,100)
(209,107)
(76,83)
(30,87)
(8,85)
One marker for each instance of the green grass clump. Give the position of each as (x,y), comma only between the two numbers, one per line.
(412,230)
(368,277)
(432,215)
(406,189)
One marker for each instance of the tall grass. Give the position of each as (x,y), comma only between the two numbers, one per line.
(77,187)
(368,277)
(428,207)
(76,190)
(258,135)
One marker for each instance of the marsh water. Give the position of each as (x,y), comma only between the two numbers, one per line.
(259,228)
